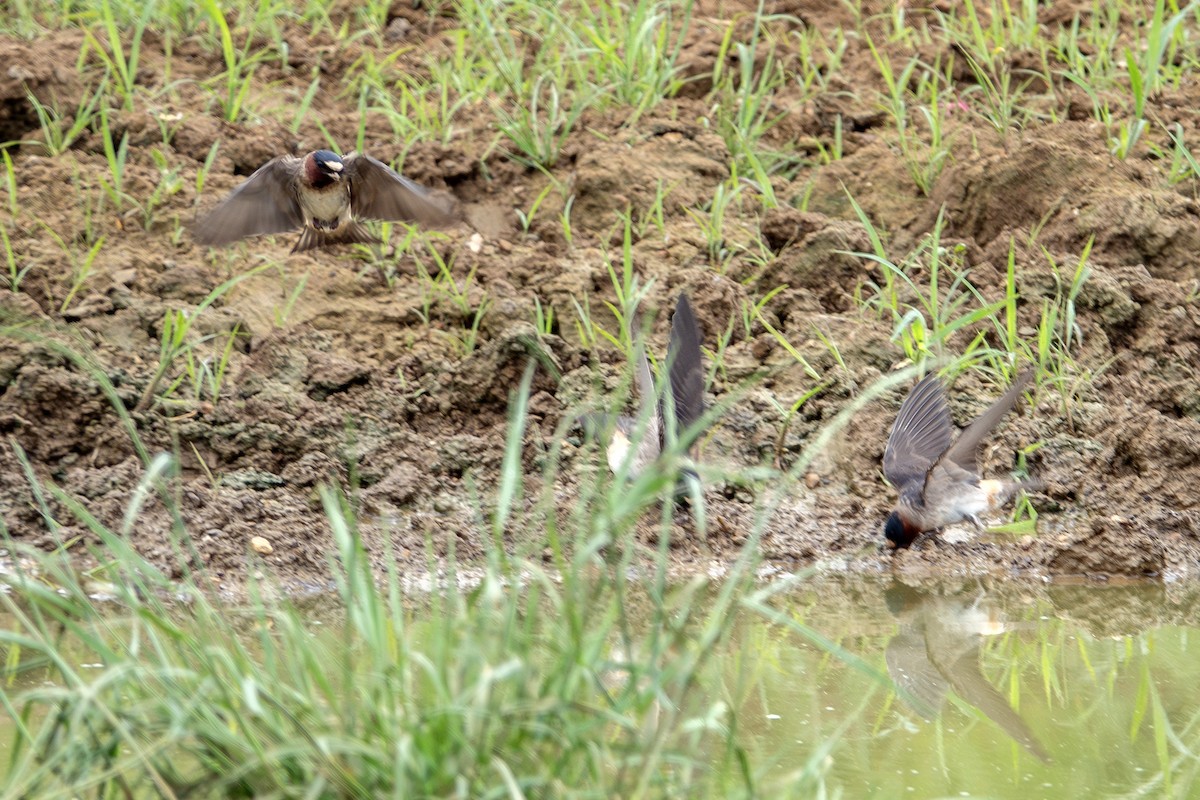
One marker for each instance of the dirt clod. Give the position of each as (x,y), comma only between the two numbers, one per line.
(378,373)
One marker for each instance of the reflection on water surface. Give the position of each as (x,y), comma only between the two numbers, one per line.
(871,688)
(977,689)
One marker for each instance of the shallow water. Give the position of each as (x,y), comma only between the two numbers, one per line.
(974,690)
(858,687)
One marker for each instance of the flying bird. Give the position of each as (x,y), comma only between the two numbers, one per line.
(938,648)
(939,481)
(681,406)
(325,194)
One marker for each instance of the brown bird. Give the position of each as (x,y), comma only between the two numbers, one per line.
(939,482)
(683,404)
(324,193)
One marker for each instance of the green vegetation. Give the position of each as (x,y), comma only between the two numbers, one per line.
(509,677)
(563,659)
(517,679)
(610,57)
(178,348)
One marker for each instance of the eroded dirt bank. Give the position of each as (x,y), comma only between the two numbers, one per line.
(336,375)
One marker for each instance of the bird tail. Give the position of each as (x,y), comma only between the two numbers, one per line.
(347,234)
(1029,485)
(1000,492)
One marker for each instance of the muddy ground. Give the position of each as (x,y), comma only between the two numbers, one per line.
(350,384)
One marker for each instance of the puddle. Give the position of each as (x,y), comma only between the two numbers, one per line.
(976,691)
(866,687)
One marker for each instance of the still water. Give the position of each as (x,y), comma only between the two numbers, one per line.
(857,687)
(973,689)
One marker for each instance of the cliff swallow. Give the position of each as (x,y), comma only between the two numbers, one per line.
(939,482)
(324,193)
(937,648)
(680,407)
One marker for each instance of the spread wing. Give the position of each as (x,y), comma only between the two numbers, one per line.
(923,687)
(970,684)
(649,446)
(962,452)
(651,443)
(957,464)
(686,370)
(956,656)
(379,192)
(920,434)
(264,203)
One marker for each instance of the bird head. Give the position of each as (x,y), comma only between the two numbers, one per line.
(329,163)
(896,531)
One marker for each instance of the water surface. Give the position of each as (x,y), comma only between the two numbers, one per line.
(974,689)
(859,687)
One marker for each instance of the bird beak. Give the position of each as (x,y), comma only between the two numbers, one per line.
(335,167)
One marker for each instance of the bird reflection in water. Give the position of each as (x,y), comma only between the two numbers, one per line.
(938,649)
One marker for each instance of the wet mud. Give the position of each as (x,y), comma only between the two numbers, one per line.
(336,375)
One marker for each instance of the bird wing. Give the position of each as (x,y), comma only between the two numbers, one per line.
(963,672)
(264,203)
(379,192)
(957,464)
(962,452)
(651,443)
(920,434)
(921,686)
(686,371)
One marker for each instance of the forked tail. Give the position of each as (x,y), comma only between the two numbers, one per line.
(348,234)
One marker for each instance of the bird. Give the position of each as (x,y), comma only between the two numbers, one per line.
(938,648)
(325,194)
(680,407)
(938,481)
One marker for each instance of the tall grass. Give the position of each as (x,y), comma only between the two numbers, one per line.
(544,669)
(568,661)
(504,679)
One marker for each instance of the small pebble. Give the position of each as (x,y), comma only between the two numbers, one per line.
(261,546)
(812,480)
(100,590)
(124,277)
(397,30)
